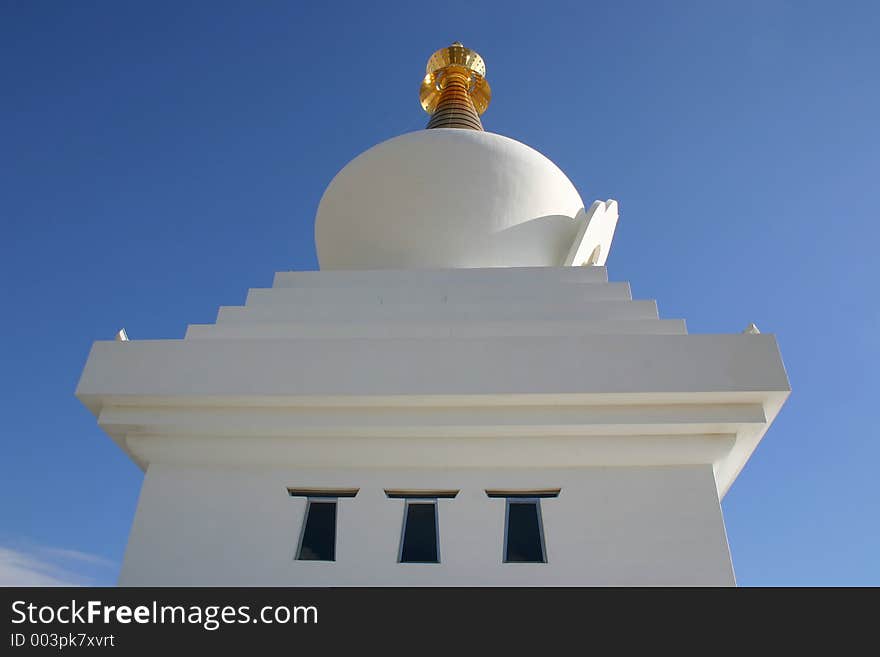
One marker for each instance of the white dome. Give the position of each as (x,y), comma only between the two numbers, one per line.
(447,198)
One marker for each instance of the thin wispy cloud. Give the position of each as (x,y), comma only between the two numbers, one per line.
(33,565)
(77,555)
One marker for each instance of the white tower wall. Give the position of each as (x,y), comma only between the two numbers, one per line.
(236,526)
(463,379)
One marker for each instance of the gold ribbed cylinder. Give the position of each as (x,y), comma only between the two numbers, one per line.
(455,109)
(455,92)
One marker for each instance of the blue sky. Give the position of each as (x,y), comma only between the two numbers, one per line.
(158,159)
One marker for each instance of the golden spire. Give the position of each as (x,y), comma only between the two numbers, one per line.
(454,91)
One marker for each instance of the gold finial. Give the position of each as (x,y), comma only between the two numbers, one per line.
(454,91)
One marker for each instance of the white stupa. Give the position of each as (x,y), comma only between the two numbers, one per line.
(458,397)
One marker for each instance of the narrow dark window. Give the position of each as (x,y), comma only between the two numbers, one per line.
(524,536)
(318,541)
(419,542)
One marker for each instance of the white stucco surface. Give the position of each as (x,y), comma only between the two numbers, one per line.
(227,526)
(592,242)
(545,377)
(447,198)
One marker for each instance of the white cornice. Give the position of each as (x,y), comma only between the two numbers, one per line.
(540,367)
